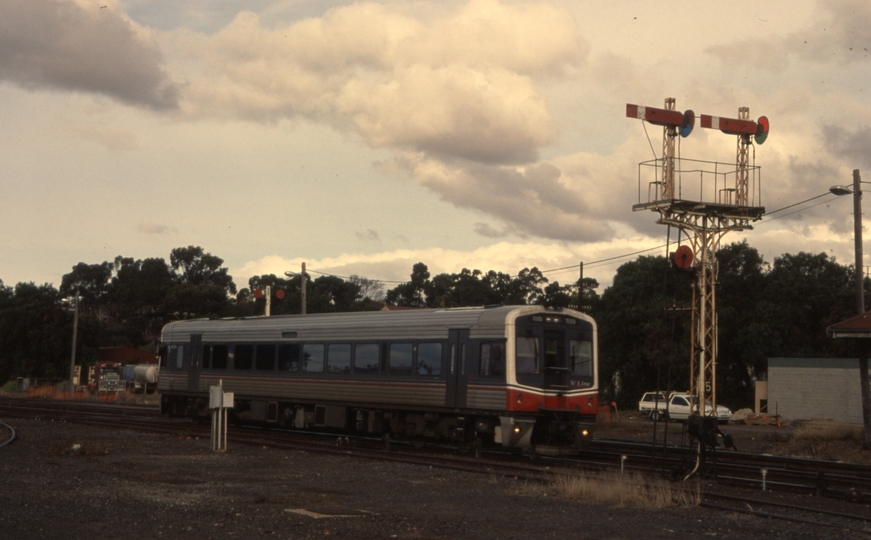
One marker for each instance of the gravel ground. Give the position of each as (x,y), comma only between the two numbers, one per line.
(122,484)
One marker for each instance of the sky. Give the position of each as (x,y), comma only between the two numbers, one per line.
(364,137)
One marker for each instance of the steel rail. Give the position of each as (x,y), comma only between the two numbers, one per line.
(11,436)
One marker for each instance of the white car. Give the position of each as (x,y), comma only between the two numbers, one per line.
(681,406)
(652,403)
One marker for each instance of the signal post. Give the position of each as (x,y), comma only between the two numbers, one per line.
(716,198)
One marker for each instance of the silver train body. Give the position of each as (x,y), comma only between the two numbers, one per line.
(515,375)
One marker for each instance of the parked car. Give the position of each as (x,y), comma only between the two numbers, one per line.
(681,406)
(650,402)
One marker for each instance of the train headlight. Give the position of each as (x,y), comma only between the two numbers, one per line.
(519,398)
(585,433)
(516,429)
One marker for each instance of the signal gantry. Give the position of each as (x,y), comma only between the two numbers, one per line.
(704,200)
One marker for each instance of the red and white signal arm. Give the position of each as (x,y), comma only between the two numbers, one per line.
(733,126)
(663,117)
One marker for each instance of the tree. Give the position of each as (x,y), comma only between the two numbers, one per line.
(92,282)
(35,332)
(525,288)
(370,289)
(742,351)
(192,266)
(644,330)
(805,294)
(331,294)
(410,294)
(202,286)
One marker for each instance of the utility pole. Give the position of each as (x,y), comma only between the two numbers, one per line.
(860,308)
(75,335)
(302,276)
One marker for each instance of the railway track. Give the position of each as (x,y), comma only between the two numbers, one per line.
(839,506)
(756,471)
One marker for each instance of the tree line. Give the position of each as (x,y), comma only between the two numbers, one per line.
(127,302)
(778,309)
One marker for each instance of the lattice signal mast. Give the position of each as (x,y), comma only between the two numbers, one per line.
(728,199)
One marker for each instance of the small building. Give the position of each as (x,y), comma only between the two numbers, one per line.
(125,355)
(806,388)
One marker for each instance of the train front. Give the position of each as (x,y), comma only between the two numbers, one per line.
(552,377)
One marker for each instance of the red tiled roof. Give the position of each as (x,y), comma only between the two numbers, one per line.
(858,326)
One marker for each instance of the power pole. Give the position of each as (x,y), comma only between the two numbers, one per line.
(75,336)
(302,276)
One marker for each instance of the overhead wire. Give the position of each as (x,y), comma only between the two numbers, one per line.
(607,260)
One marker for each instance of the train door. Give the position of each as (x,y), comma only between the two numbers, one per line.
(458,353)
(556,371)
(196,362)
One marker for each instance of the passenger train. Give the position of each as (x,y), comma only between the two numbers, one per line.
(518,376)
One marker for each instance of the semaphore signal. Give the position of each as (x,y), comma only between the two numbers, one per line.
(708,216)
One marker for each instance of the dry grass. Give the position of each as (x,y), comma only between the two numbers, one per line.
(827,431)
(628,489)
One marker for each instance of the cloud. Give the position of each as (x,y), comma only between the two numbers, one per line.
(155,229)
(368,236)
(840,32)
(850,144)
(456,85)
(533,199)
(113,139)
(507,257)
(79,46)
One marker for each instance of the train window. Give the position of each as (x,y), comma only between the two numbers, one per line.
(243,357)
(581,357)
(366,357)
(179,357)
(265,359)
(400,357)
(429,359)
(288,357)
(339,358)
(163,355)
(313,358)
(220,353)
(527,355)
(207,356)
(492,360)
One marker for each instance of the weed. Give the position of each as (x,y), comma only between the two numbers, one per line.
(628,489)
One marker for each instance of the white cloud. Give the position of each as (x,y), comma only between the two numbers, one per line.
(459,86)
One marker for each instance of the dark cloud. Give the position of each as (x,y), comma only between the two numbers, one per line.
(485,230)
(841,33)
(53,44)
(852,145)
(531,201)
(153,228)
(369,236)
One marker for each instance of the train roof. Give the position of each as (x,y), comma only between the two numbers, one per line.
(360,325)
